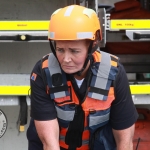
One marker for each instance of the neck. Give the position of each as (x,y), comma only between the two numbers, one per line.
(84,73)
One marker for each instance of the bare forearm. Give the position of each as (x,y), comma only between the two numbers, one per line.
(48,132)
(52,143)
(124,138)
(124,146)
(53,146)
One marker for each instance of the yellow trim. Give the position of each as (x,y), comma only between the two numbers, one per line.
(14,90)
(21,128)
(23,25)
(140,89)
(25,90)
(130,24)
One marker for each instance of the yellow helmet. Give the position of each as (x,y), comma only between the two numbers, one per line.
(74,22)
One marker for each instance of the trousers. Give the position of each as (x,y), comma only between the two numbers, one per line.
(104,139)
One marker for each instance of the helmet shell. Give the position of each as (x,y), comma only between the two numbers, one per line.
(74,22)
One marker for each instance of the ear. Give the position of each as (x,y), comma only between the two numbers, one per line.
(97,38)
(97,35)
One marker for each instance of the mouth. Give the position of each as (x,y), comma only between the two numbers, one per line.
(65,66)
(68,66)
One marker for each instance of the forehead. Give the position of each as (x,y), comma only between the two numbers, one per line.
(71,43)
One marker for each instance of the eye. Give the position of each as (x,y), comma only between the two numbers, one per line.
(74,51)
(60,50)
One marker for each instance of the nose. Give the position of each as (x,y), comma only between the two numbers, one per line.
(67,57)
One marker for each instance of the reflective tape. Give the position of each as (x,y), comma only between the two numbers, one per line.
(65,115)
(84,142)
(51,35)
(60,94)
(69,11)
(54,69)
(140,89)
(14,90)
(130,24)
(53,65)
(25,90)
(23,25)
(94,120)
(88,12)
(100,81)
(104,67)
(83,35)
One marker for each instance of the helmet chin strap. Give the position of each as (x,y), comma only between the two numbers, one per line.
(52,47)
(91,49)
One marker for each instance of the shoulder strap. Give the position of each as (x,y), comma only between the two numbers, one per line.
(104,71)
(56,79)
(43,72)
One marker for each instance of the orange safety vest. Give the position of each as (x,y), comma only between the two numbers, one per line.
(97,103)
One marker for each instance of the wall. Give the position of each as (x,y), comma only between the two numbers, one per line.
(25,10)
(20,57)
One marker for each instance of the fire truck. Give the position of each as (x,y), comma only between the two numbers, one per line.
(23,41)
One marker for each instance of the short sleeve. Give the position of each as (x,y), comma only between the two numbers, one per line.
(42,107)
(123,113)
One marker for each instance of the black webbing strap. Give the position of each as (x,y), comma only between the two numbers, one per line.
(53,47)
(76,127)
(23,114)
(23,110)
(113,58)
(59,89)
(93,137)
(99,91)
(138,143)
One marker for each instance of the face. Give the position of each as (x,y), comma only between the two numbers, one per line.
(71,55)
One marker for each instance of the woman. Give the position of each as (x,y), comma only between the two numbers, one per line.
(80,97)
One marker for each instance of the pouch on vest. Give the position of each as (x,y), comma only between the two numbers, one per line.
(65,114)
(98,119)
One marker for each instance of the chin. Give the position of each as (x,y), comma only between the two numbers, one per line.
(69,71)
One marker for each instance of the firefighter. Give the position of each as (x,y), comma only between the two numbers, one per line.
(80,96)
